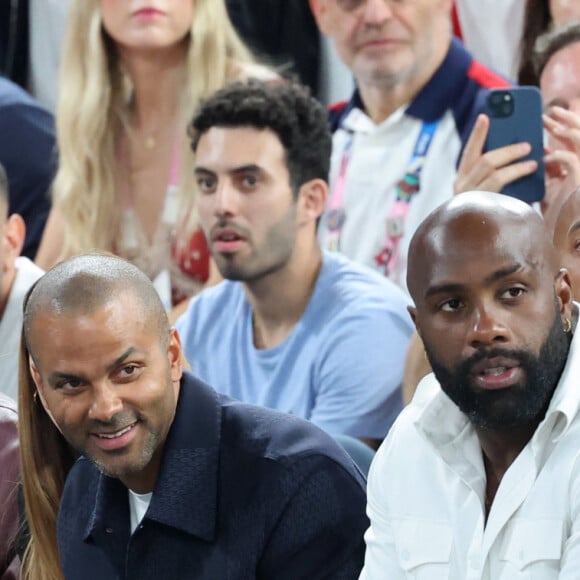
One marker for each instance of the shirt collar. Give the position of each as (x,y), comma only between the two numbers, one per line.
(185,496)
(432,101)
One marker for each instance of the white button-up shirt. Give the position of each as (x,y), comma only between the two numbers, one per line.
(427,486)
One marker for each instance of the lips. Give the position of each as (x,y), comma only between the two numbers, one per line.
(149,11)
(114,440)
(227,240)
(497,373)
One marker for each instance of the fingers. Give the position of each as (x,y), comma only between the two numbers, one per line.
(565,116)
(495,169)
(564,126)
(561,164)
(475,144)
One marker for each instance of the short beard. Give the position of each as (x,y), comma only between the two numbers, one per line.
(521,404)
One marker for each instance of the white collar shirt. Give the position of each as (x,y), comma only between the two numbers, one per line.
(427,486)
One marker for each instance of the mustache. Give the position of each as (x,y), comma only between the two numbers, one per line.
(117,422)
(521,356)
(222,224)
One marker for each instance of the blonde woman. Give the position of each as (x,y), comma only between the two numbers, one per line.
(132,73)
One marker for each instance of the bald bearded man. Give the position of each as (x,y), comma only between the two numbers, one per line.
(479,477)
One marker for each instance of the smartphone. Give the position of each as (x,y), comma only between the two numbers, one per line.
(515,116)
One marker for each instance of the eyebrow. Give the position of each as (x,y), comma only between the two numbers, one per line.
(574,227)
(57,376)
(234,170)
(493,277)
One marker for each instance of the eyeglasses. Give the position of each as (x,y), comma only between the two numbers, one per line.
(352,5)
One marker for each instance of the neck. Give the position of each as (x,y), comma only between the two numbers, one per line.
(279,300)
(157,78)
(500,449)
(382,97)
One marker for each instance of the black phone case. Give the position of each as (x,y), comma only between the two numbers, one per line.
(524,124)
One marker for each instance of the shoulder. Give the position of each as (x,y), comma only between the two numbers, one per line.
(479,81)
(8,412)
(350,288)
(8,426)
(336,112)
(285,442)
(210,303)
(14,99)
(27,273)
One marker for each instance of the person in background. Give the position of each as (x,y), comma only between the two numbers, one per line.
(130,77)
(28,154)
(292,327)
(271,28)
(17,274)
(541,16)
(567,239)
(397,142)
(9,478)
(491,31)
(174,480)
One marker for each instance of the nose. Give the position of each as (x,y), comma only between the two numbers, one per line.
(226,200)
(377,11)
(486,328)
(106,402)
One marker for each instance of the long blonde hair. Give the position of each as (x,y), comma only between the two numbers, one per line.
(45,459)
(92,111)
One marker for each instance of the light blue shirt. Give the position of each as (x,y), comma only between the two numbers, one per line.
(341,366)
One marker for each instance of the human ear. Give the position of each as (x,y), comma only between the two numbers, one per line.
(312,200)
(175,355)
(563,290)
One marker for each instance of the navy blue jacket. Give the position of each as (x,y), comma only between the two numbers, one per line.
(28,154)
(244,492)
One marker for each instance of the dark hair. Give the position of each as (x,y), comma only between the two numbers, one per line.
(537,21)
(550,43)
(284,107)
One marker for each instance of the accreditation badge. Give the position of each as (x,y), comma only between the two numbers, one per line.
(335,219)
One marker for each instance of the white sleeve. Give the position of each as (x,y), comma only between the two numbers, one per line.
(381,559)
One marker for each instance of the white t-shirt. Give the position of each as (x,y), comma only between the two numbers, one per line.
(11,322)
(138,505)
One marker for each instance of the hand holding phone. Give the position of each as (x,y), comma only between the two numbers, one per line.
(516,117)
(492,168)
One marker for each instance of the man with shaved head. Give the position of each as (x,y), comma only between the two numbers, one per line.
(479,477)
(174,480)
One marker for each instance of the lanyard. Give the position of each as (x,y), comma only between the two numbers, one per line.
(406,188)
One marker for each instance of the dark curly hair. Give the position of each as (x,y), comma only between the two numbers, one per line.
(286,108)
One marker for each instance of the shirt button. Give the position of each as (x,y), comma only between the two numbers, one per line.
(109,530)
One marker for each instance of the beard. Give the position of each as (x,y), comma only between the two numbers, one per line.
(518,405)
